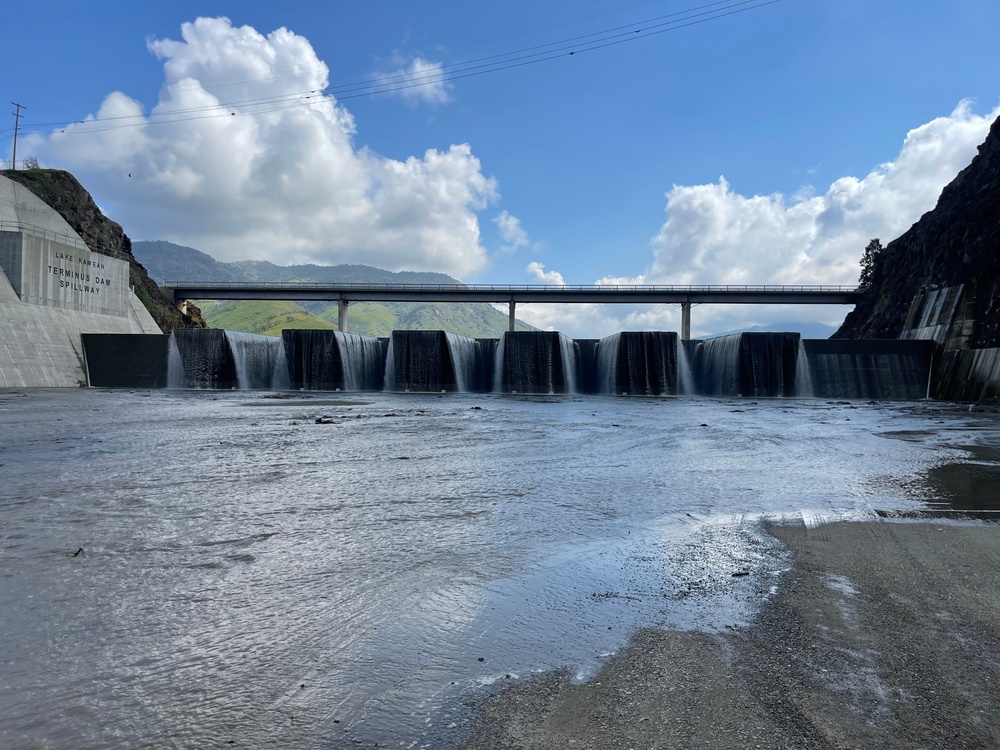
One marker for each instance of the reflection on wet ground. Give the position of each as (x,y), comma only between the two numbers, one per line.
(966,486)
(335,570)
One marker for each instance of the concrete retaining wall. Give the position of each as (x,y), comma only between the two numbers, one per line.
(40,347)
(869,368)
(53,289)
(123,360)
(962,321)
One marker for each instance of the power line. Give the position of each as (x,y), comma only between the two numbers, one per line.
(236,80)
(403,81)
(540,50)
(569,50)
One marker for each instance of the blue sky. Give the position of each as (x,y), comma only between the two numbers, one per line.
(764,144)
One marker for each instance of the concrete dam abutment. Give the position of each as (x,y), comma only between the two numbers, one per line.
(633,363)
(53,290)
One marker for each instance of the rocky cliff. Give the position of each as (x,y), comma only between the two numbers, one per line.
(957,243)
(62,191)
(941,281)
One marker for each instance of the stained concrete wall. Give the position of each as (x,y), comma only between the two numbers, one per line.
(47,263)
(7,293)
(962,320)
(969,375)
(20,208)
(869,368)
(59,273)
(52,290)
(74,279)
(41,346)
(122,360)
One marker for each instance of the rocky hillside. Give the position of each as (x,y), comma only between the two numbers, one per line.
(956,243)
(62,191)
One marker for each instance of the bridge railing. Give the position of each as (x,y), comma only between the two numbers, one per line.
(510,287)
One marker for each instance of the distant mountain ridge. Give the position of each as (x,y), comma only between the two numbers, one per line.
(167,262)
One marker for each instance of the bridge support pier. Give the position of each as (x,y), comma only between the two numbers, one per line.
(685,321)
(510,316)
(342,315)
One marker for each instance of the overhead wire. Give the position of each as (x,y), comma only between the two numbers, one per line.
(236,80)
(537,50)
(403,80)
(562,51)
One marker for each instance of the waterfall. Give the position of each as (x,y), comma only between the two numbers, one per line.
(255,358)
(243,358)
(345,348)
(485,365)
(361,361)
(752,365)
(463,360)
(313,360)
(176,377)
(803,379)
(498,365)
(218,359)
(639,362)
(432,361)
(206,358)
(768,364)
(718,366)
(567,354)
(327,360)
(389,381)
(607,363)
(280,380)
(685,377)
(536,362)
(586,365)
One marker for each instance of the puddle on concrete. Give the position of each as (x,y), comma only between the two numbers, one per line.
(966,486)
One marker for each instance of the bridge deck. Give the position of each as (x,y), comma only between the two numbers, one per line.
(494,293)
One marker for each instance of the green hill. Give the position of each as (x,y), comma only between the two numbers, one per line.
(260,317)
(166,261)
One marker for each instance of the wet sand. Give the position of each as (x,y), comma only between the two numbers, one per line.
(882,634)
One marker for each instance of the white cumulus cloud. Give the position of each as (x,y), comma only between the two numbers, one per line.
(537,270)
(244,157)
(511,231)
(420,80)
(716,235)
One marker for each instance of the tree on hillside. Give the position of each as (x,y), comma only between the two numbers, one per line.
(868,263)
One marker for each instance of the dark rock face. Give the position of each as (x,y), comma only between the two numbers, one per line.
(62,191)
(957,243)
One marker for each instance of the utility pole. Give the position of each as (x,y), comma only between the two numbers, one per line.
(17,122)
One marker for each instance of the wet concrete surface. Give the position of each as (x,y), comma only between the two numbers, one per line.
(883,634)
(282,577)
(967,486)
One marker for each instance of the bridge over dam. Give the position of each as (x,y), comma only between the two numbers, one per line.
(686,296)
